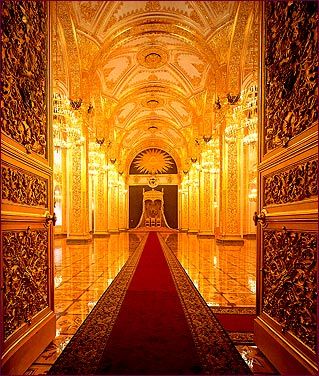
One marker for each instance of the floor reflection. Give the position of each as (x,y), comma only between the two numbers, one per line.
(224,275)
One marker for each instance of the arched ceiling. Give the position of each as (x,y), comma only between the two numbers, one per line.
(153,69)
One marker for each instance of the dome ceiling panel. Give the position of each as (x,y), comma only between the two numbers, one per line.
(158,62)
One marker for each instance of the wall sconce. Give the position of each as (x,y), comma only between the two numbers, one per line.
(112,160)
(185,172)
(76,103)
(207,138)
(232,99)
(100,141)
(193,159)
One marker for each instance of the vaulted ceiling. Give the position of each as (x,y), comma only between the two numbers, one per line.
(153,70)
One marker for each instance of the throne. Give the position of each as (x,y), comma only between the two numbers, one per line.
(153,214)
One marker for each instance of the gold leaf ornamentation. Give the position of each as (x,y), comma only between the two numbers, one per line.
(24,68)
(153,161)
(21,187)
(290,282)
(291,89)
(25,274)
(293,184)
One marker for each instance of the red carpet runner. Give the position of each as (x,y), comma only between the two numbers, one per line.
(151,334)
(145,324)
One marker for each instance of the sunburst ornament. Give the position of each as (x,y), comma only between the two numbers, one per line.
(153,161)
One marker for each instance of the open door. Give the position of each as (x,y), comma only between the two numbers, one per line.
(286,325)
(26,300)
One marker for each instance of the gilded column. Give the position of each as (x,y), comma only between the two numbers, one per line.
(193,200)
(184,206)
(231,215)
(64,226)
(100,204)
(206,207)
(113,200)
(78,210)
(123,205)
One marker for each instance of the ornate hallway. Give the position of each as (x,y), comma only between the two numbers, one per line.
(197,119)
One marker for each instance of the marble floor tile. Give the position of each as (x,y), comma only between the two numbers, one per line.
(66,295)
(224,275)
(69,324)
(55,348)
(38,369)
(256,361)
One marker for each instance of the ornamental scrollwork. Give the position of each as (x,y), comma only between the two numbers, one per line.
(23,116)
(290,282)
(291,185)
(21,187)
(25,273)
(291,88)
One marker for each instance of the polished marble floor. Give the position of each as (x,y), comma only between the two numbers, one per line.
(224,275)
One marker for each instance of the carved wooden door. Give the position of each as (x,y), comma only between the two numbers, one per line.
(27,318)
(286,326)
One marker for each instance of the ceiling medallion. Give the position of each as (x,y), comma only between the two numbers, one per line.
(152,57)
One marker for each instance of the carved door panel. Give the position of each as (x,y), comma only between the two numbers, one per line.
(286,326)
(26,299)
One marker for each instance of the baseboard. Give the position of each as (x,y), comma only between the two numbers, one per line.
(206,235)
(192,231)
(79,240)
(249,236)
(286,359)
(230,241)
(21,356)
(59,236)
(101,235)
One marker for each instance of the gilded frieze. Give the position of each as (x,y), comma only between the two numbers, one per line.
(24,65)
(293,184)
(291,86)
(21,187)
(25,274)
(290,282)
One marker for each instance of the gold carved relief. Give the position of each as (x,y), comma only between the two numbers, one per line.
(291,70)
(25,274)
(294,184)
(21,187)
(23,115)
(232,193)
(290,282)
(76,190)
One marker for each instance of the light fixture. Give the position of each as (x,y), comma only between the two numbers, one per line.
(207,138)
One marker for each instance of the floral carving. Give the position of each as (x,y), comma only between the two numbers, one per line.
(291,70)
(21,187)
(294,184)
(25,265)
(290,282)
(232,195)
(24,67)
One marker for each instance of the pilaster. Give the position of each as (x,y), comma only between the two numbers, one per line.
(78,211)
(193,200)
(100,204)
